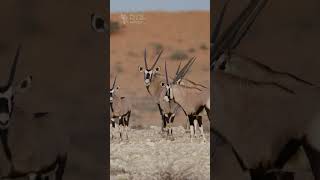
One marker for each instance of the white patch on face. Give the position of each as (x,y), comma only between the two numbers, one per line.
(166,98)
(147,80)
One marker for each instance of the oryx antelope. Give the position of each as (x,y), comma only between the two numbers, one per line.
(170,108)
(33,145)
(264,114)
(120,111)
(192,100)
(152,80)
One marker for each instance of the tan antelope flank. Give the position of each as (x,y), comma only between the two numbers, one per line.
(152,80)
(266,115)
(191,99)
(120,111)
(33,145)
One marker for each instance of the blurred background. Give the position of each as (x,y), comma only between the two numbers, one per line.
(180,29)
(158,5)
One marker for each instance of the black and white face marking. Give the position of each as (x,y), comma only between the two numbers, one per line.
(113,92)
(111,95)
(7,101)
(148,74)
(168,95)
(6,105)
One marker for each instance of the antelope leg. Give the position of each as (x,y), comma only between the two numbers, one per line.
(201,128)
(191,118)
(195,124)
(314,158)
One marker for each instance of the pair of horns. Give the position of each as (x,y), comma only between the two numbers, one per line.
(145,59)
(180,74)
(114,82)
(232,36)
(13,68)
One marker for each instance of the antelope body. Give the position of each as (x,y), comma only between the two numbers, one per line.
(120,111)
(259,110)
(191,99)
(33,145)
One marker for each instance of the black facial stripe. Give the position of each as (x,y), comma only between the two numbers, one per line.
(4,106)
(148,76)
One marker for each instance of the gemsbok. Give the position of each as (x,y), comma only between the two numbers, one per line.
(120,111)
(33,145)
(192,100)
(170,108)
(152,81)
(265,115)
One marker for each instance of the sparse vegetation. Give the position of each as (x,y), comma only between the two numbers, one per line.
(203,46)
(157,47)
(179,55)
(119,68)
(137,127)
(191,50)
(114,27)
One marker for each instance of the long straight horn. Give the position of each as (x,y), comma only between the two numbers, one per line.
(183,71)
(178,67)
(187,69)
(251,20)
(145,58)
(114,82)
(165,69)
(228,39)
(218,24)
(14,67)
(154,64)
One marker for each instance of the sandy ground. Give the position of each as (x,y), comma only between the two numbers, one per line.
(148,155)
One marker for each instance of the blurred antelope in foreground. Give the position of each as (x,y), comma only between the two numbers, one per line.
(265,115)
(192,100)
(152,81)
(33,145)
(120,111)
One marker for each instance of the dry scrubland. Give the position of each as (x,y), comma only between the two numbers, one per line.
(147,154)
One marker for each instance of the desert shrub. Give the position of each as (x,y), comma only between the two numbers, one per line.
(179,55)
(137,127)
(157,47)
(191,50)
(114,27)
(168,173)
(203,46)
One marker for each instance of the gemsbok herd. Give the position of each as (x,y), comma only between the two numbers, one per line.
(169,94)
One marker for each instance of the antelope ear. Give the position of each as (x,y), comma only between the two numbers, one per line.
(97,23)
(158,69)
(141,68)
(163,84)
(24,85)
